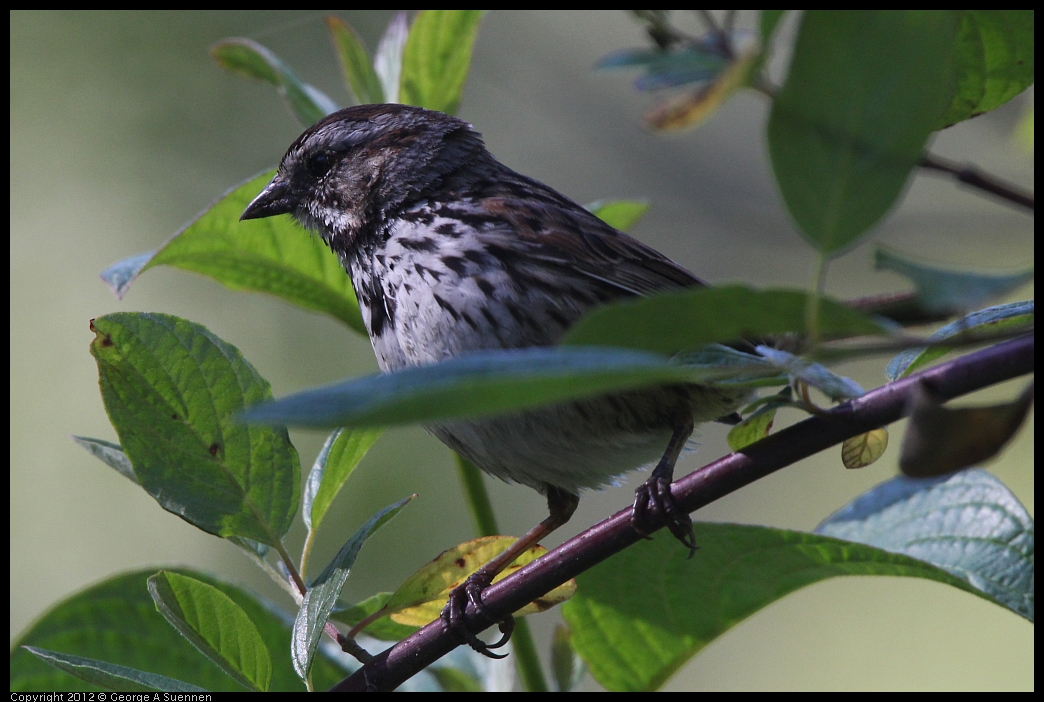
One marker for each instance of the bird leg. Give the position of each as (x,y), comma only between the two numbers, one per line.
(560,506)
(655,493)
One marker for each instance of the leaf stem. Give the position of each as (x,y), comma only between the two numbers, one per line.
(477,497)
(306,550)
(815,294)
(290,567)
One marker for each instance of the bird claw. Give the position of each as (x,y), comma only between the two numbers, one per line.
(453,616)
(656,493)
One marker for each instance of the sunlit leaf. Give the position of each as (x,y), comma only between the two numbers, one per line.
(171,389)
(860,451)
(273,255)
(215,625)
(362,80)
(437,57)
(994,61)
(619,214)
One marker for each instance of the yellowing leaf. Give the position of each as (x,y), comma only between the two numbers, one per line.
(860,451)
(420,599)
(689,110)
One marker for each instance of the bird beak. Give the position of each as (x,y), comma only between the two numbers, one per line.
(275,199)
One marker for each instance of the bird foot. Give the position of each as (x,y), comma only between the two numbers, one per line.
(453,615)
(654,497)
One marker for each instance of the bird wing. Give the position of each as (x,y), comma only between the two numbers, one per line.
(556,231)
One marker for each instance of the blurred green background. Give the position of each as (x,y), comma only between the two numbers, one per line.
(122,128)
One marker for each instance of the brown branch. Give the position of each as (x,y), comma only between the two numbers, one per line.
(877,408)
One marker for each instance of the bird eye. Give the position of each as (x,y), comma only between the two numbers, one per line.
(319,164)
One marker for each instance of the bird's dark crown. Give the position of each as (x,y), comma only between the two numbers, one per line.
(356,168)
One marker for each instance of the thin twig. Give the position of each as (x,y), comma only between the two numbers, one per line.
(964,339)
(729,22)
(971,175)
(877,408)
(724,43)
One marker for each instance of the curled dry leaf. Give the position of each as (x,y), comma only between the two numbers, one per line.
(941,440)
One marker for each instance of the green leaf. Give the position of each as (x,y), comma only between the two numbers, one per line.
(968,524)
(674,321)
(111,454)
(993,61)
(767,23)
(754,428)
(455,680)
(116,621)
(944,291)
(633,642)
(336,461)
(864,91)
(486,382)
(171,389)
(248,58)
(437,57)
(619,214)
(273,255)
(362,80)
(215,625)
(117,678)
(567,666)
(994,319)
(834,386)
(727,366)
(320,599)
(387,62)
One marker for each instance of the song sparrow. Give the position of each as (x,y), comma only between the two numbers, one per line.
(449,252)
